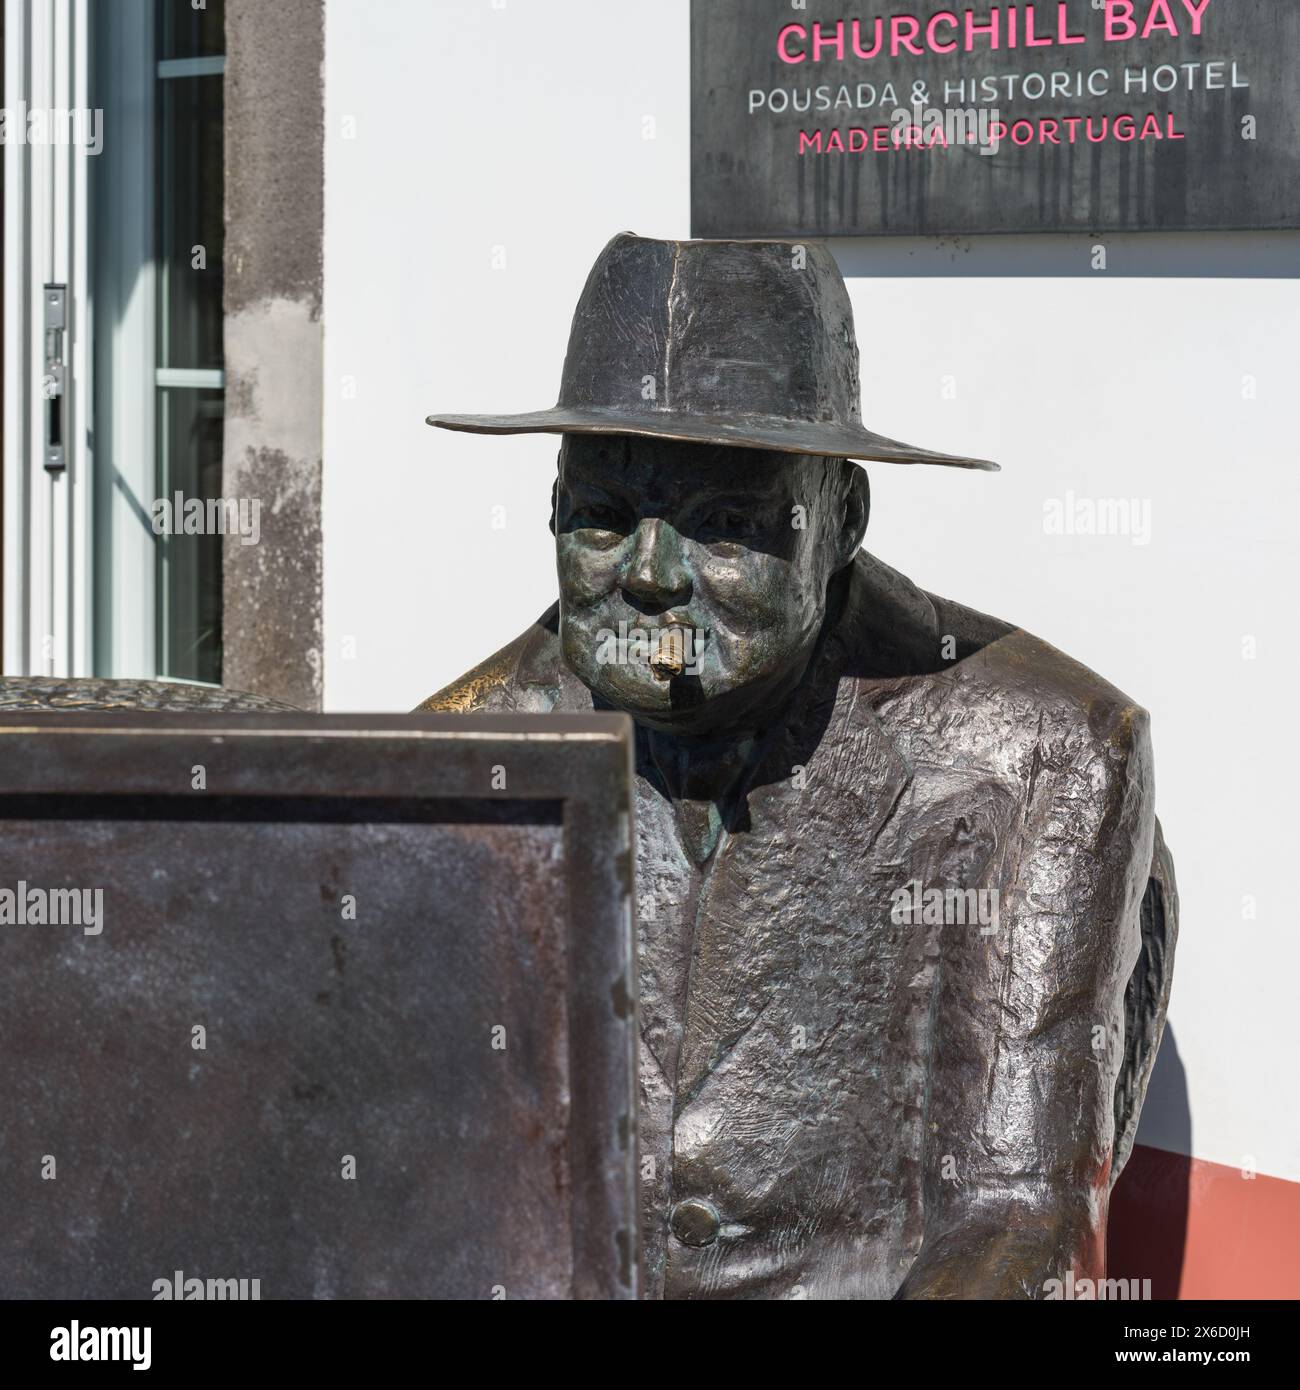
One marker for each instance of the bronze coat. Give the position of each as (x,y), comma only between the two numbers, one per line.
(863,1098)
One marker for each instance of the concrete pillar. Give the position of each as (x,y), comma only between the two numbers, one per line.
(274,165)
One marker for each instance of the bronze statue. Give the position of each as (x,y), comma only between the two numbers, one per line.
(906,920)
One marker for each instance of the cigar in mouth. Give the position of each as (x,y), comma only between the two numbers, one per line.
(670,653)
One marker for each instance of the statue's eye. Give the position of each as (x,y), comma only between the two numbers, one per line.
(598,518)
(729,524)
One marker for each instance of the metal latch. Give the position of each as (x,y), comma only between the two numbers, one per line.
(54,381)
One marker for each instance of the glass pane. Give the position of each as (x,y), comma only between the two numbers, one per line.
(190,426)
(185,32)
(190,221)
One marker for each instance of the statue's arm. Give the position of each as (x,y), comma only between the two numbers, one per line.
(1027,1038)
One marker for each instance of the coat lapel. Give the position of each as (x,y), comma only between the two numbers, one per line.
(543,681)
(798,859)
(825,788)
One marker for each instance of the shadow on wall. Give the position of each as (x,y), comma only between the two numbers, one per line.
(1147,1234)
(1129,255)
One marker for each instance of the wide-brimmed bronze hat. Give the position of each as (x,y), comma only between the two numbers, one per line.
(745,343)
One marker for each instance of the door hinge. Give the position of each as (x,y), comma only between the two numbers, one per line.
(54,380)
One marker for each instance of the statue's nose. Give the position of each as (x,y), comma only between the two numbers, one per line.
(655,575)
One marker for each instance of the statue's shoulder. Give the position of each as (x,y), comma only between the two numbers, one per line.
(1038,689)
(898,629)
(996,679)
(493,684)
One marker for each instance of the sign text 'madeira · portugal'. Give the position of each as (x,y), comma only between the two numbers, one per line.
(836,119)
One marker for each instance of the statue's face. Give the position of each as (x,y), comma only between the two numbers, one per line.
(734,545)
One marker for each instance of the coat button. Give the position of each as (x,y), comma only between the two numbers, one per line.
(695,1222)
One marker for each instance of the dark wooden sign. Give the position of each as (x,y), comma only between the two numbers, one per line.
(316,1007)
(849,119)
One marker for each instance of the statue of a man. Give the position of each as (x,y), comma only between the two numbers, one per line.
(905,919)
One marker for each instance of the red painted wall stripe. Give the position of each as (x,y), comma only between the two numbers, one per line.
(1200,1230)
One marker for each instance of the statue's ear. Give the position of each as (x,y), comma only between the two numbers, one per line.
(857,512)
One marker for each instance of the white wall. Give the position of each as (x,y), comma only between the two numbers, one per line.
(478,127)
